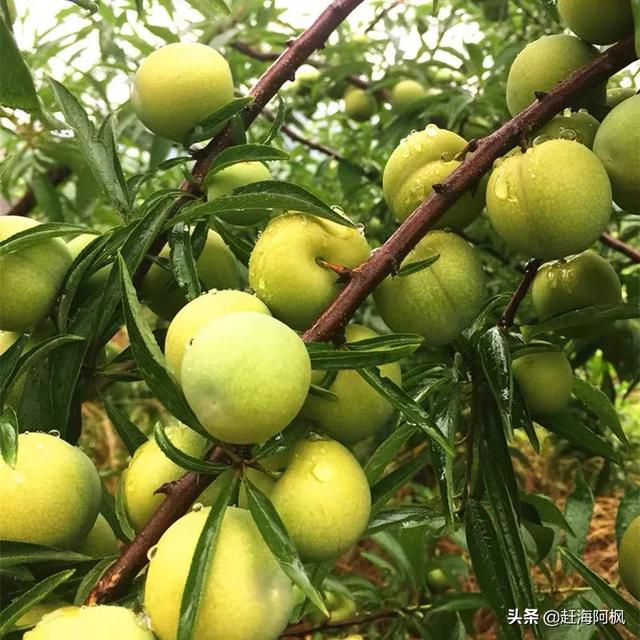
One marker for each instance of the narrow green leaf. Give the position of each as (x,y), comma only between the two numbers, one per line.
(274,533)
(578,511)
(213,123)
(414,267)
(409,516)
(15,553)
(245,153)
(278,121)
(547,510)
(16,84)
(90,579)
(131,436)
(36,235)
(389,485)
(183,261)
(182,459)
(599,404)
(9,437)
(124,524)
(9,361)
(628,511)
(447,422)
(321,392)
(282,441)
(387,451)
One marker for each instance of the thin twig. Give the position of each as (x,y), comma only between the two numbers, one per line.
(381,14)
(509,315)
(621,247)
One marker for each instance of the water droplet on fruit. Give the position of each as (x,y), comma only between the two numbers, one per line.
(540,140)
(151,554)
(568,134)
(432,130)
(55,433)
(322,472)
(446,157)
(498,162)
(501,188)
(197,506)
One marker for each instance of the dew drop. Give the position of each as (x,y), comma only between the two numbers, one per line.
(197,506)
(55,433)
(151,554)
(432,130)
(541,140)
(501,188)
(446,157)
(322,472)
(568,134)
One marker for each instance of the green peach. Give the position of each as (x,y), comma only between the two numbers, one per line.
(618,94)
(629,558)
(437,579)
(246,595)
(359,104)
(545,379)
(102,622)
(97,279)
(421,160)
(197,314)
(30,278)
(572,125)
(542,64)
(585,280)
(359,410)
(616,144)
(246,376)
(53,494)
(437,302)
(285,274)
(597,22)
(263,481)
(178,85)
(217,269)
(100,541)
(150,468)
(37,612)
(550,202)
(406,96)
(323,499)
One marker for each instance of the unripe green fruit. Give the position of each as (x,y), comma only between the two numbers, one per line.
(359,104)
(307,75)
(421,160)
(97,280)
(246,376)
(546,381)
(585,280)
(53,495)
(179,85)
(340,606)
(101,541)
(618,95)
(246,595)
(263,481)
(359,410)
(576,125)
(238,175)
(285,274)
(621,346)
(150,468)
(323,499)
(596,21)
(629,558)
(216,269)
(616,144)
(29,278)
(406,96)
(437,579)
(437,302)
(37,612)
(197,314)
(542,64)
(550,202)
(97,623)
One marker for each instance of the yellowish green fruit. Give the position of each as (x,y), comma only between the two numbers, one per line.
(341,607)
(618,94)
(263,481)
(238,175)
(629,558)
(585,280)
(437,579)
(323,499)
(37,612)
(179,85)
(596,21)
(542,64)
(285,274)
(616,144)
(406,96)
(359,104)
(550,202)
(246,595)
(29,278)
(421,160)
(307,74)
(150,468)
(97,623)
(572,125)
(546,381)
(197,314)
(246,376)
(217,269)
(101,541)
(96,280)
(53,494)
(358,411)
(437,302)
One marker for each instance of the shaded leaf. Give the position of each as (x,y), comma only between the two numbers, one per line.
(598,403)
(213,123)
(131,436)
(9,437)
(16,84)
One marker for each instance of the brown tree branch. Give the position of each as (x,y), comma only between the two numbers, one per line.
(366,277)
(55,175)
(621,247)
(381,14)
(509,315)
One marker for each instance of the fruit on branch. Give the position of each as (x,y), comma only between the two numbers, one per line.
(97,279)
(306,75)
(246,376)
(619,94)
(341,607)
(30,278)
(545,380)
(572,125)
(616,144)
(246,593)
(359,411)
(150,468)
(284,270)
(596,21)
(53,494)
(421,160)
(217,269)
(545,62)
(359,104)
(323,499)
(406,97)
(262,480)
(551,201)
(97,623)
(179,85)
(196,314)
(101,541)
(584,280)
(237,175)
(629,558)
(437,579)
(437,302)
